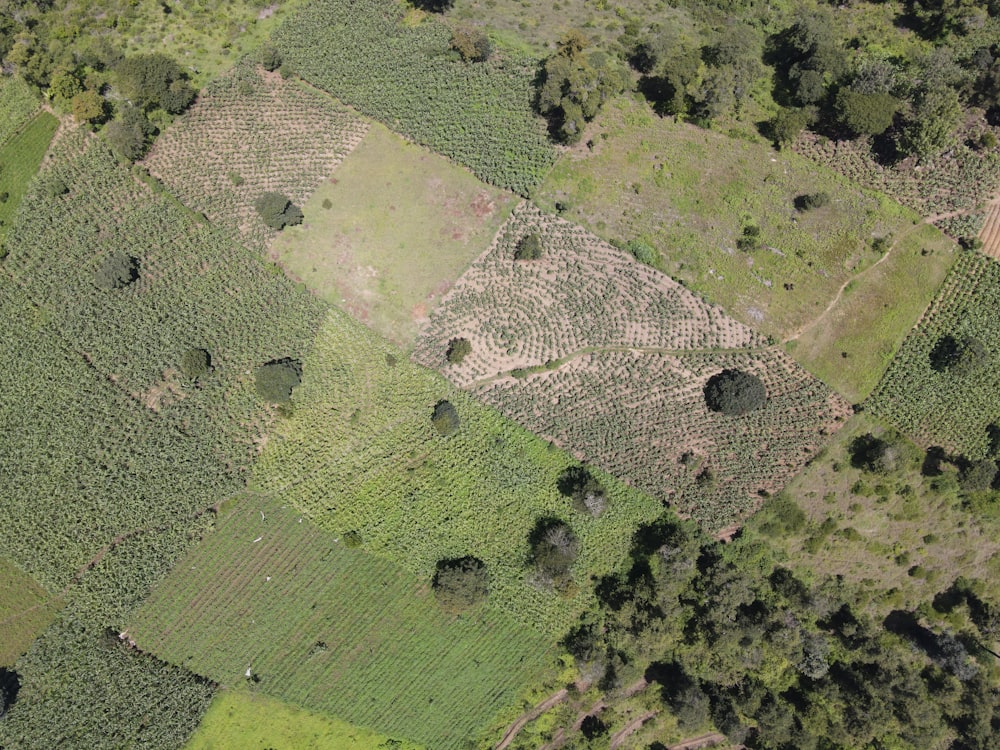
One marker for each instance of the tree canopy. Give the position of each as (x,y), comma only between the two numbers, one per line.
(117,271)
(735,392)
(445,418)
(278,211)
(276,379)
(461,583)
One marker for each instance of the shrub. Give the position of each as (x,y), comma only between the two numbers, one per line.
(278,211)
(978,476)
(445,418)
(270,58)
(786,125)
(735,392)
(878,455)
(866,114)
(750,239)
(117,271)
(809,201)
(276,379)
(458,349)
(643,252)
(529,247)
(958,356)
(195,363)
(554,548)
(461,583)
(587,492)
(471,43)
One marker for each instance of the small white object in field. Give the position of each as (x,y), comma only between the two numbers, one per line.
(268,578)
(249,673)
(257,539)
(300,520)
(262,516)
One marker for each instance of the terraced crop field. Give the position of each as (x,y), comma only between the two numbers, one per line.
(20,158)
(335,630)
(608,358)
(25,611)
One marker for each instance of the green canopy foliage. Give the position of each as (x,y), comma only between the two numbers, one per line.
(276,379)
(461,583)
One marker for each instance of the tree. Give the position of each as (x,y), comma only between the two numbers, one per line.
(587,493)
(927,130)
(117,271)
(195,363)
(270,58)
(878,455)
(471,43)
(445,418)
(458,349)
(88,106)
(10,684)
(529,247)
(129,133)
(154,80)
(809,201)
(866,114)
(978,476)
(460,583)
(734,392)
(553,550)
(785,127)
(958,356)
(276,379)
(278,211)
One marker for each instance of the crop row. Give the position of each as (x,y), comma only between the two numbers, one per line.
(479,114)
(249,133)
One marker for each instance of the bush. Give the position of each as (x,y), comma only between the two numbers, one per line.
(195,363)
(809,201)
(978,476)
(529,247)
(118,271)
(587,492)
(734,392)
(458,349)
(276,379)
(958,356)
(461,583)
(270,58)
(643,252)
(553,550)
(877,455)
(750,239)
(471,43)
(866,114)
(445,418)
(278,211)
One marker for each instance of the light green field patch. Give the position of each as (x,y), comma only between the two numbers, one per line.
(244,720)
(388,234)
(336,630)
(17,104)
(692,193)
(26,609)
(851,345)
(19,160)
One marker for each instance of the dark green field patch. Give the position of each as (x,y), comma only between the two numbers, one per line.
(335,630)
(19,160)
(25,610)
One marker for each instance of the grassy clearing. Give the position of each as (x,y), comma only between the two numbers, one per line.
(390,232)
(360,454)
(20,158)
(902,537)
(26,609)
(851,345)
(691,193)
(336,630)
(17,104)
(952,407)
(253,721)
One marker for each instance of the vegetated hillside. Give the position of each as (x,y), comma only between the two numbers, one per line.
(390,231)
(335,629)
(403,73)
(610,359)
(364,454)
(942,388)
(132,281)
(249,133)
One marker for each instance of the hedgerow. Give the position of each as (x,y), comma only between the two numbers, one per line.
(479,114)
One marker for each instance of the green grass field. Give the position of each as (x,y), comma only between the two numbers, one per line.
(245,720)
(850,347)
(691,193)
(401,226)
(335,630)
(26,609)
(952,407)
(20,158)
(18,102)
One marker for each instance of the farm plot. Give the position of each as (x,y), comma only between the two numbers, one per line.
(403,73)
(20,158)
(26,609)
(18,103)
(608,358)
(390,232)
(943,387)
(336,630)
(697,197)
(180,284)
(253,132)
(361,454)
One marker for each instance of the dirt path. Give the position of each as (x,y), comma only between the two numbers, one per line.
(618,737)
(541,708)
(990,233)
(712,738)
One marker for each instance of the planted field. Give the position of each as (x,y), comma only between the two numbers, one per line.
(609,358)
(387,236)
(403,73)
(360,454)
(26,609)
(20,158)
(945,400)
(132,281)
(245,719)
(335,630)
(18,103)
(249,133)
(850,346)
(695,196)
